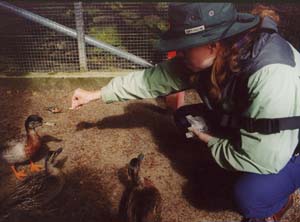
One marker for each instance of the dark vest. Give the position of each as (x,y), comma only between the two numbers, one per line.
(270,48)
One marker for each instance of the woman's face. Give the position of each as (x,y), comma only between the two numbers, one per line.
(201,57)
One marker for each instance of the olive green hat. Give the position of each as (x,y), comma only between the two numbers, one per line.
(196,24)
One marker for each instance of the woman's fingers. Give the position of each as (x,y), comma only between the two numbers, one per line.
(194,130)
(81,97)
(74,104)
(75,99)
(205,137)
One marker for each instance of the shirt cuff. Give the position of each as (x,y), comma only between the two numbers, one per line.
(212,141)
(107,95)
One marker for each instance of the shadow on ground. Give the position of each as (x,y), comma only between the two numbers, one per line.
(208,186)
(77,201)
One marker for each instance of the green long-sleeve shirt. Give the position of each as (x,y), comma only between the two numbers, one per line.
(274,92)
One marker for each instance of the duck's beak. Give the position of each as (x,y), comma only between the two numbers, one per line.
(37,124)
(41,123)
(46,123)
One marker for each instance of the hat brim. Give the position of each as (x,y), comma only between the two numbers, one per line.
(245,22)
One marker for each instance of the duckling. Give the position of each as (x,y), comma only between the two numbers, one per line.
(23,148)
(141,202)
(33,194)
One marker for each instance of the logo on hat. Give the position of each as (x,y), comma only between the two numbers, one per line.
(195,29)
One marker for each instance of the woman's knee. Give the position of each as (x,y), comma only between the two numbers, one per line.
(259,196)
(249,193)
(242,193)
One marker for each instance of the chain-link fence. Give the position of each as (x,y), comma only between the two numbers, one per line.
(26,46)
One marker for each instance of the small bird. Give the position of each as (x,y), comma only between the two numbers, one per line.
(33,194)
(53,109)
(141,202)
(23,148)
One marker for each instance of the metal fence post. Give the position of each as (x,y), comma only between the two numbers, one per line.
(80,35)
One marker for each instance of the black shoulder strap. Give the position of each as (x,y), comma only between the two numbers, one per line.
(263,126)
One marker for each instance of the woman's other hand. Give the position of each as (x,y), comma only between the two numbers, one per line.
(82,97)
(203,136)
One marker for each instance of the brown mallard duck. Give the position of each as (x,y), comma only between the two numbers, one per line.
(22,149)
(141,201)
(33,194)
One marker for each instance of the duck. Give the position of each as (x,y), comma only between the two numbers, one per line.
(32,195)
(24,147)
(141,201)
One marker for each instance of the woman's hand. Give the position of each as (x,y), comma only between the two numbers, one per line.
(204,137)
(82,97)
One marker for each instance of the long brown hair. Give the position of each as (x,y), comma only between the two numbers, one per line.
(231,49)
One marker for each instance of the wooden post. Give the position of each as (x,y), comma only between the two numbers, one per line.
(80,35)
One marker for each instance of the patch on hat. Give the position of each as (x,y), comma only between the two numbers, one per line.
(195,29)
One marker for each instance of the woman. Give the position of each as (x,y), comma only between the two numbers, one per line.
(247,76)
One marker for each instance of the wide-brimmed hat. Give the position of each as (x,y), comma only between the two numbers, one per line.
(196,24)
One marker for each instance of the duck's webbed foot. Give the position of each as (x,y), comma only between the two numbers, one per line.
(20,175)
(35,167)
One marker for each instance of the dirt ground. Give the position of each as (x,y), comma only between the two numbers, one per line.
(100,139)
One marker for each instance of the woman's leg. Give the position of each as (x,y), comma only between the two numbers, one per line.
(261,196)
